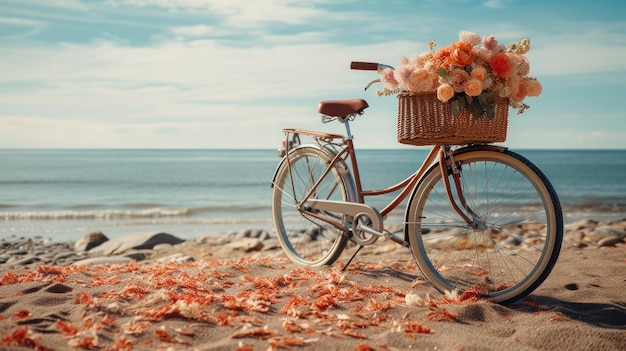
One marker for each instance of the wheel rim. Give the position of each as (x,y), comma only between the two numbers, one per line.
(305,239)
(511,247)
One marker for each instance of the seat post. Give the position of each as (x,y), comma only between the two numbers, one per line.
(348,132)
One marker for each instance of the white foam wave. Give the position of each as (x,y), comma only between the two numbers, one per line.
(95,214)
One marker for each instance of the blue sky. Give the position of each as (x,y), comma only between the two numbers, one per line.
(232,73)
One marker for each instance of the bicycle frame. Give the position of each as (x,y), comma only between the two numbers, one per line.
(359,208)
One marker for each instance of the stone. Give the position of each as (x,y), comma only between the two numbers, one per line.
(137,256)
(134,242)
(177,257)
(582,224)
(16,252)
(90,241)
(63,255)
(609,241)
(23,260)
(271,244)
(246,245)
(160,247)
(103,260)
(606,236)
(250,233)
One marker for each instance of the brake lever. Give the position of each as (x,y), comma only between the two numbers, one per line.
(372,83)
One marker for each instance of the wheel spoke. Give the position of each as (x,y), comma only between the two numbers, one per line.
(306,239)
(514,239)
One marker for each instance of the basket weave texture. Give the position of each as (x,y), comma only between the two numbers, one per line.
(424,120)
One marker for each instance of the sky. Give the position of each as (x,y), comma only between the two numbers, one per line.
(233,73)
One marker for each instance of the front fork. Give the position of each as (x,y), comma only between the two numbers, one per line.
(450,169)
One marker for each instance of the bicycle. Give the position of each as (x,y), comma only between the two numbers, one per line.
(479,217)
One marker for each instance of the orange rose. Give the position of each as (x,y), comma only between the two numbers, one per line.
(445,92)
(474,87)
(462,54)
(479,73)
(533,87)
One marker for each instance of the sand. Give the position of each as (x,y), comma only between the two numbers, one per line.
(257,302)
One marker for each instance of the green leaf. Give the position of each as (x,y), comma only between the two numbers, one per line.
(482,98)
(454,105)
(461,99)
(443,73)
(475,109)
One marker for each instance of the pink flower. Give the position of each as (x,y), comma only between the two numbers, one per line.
(388,77)
(490,42)
(533,87)
(481,54)
(445,92)
(420,82)
(413,60)
(459,79)
(474,87)
(403,73)
(423,59)
(517,89)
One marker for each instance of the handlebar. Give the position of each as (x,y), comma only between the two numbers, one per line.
(369,66)
(364,66)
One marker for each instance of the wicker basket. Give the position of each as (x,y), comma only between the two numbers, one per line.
(424,120)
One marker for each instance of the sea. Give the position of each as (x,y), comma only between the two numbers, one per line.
(62,194)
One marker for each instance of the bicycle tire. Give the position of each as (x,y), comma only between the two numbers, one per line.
(518,242)
(304,239)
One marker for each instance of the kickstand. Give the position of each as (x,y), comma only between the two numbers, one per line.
(351,258)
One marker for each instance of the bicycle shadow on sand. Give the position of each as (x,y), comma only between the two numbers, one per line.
(603,315)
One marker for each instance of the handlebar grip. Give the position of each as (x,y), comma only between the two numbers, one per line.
(364,66)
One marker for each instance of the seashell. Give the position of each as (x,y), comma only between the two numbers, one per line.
(469,37)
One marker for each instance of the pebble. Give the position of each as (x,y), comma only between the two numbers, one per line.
(90,241)
(103,260)
(16,253)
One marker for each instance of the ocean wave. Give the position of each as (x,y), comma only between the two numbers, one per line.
(95,214)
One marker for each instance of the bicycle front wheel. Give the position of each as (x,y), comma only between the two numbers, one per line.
(515,236)
(306,235)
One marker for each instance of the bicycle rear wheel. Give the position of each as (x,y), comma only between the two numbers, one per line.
(516,234)
(305,239)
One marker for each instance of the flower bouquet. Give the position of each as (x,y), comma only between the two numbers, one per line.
(456,85)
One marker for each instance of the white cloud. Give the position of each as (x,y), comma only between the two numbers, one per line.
(496,4)
(63,4)
(15,27)
(207,95)
(194,31)
(543,138)
(239,13)
(567,54)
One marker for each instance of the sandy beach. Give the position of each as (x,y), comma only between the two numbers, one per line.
(228,294)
